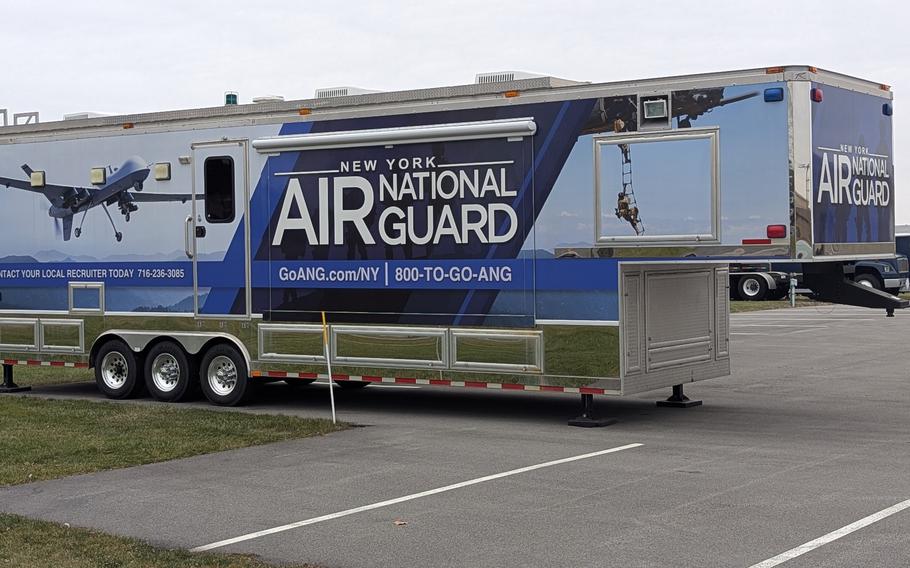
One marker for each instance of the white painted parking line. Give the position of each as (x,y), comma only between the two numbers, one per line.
(833,535)
(772,333)
(411,497)
(737,324)
(802,319)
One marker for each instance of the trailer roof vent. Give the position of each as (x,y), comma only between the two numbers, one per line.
(84,115)
(504,76)
(268,99)
(329,92)
(18,118)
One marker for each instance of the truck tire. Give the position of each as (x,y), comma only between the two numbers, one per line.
(870,280)
(117,370)
(753,288)
(297,383)
(352,385)
(224,376)
(168,376)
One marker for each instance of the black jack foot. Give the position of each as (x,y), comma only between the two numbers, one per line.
(678,400)
(587,419)
(8,385)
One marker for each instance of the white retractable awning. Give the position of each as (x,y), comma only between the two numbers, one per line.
(513,128)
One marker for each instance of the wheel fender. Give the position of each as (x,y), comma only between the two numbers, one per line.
(192,342)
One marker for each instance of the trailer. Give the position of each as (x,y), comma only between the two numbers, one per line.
(521,232)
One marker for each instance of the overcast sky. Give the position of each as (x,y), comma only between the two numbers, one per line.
(116,56)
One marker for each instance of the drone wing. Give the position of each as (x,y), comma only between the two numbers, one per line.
(56,194)
(162,197)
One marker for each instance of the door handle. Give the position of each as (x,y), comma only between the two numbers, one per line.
(187,238)
(200,231)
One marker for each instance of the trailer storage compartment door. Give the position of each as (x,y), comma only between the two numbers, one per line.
(674,324)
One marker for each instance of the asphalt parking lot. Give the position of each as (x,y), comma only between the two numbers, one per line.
(809,435)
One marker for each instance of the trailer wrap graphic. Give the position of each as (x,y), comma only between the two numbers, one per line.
(852,168)
(414,229)
(469,232)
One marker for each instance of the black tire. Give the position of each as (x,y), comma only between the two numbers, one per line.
(352,385)
(117,370)
(169,376)
(870,280)
(297,383)
(752,288)
(224,376)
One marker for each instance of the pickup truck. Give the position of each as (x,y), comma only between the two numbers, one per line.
(889,274)
(771,281)
(902,246)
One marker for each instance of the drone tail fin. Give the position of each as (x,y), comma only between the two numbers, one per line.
(67,227)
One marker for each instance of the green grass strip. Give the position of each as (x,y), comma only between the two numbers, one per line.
(37,544)
(44,439)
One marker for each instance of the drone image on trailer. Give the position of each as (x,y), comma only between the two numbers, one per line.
(121,188)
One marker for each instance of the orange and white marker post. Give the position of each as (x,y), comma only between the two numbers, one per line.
(328,364)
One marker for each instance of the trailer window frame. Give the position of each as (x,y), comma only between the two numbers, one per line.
(712,134)
(225,200)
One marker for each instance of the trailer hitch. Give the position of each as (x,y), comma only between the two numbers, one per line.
(828,283)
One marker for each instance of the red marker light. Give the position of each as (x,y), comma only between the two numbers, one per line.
(817,94)
(777,231)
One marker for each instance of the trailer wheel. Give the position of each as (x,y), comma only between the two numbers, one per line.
(869,280)
(223,375)
(297,383)
(168,375)
(117,370)
(752,288)
(352,385)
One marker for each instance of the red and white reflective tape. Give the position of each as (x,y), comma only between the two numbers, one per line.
(429,382)
(36,363)
(364,378)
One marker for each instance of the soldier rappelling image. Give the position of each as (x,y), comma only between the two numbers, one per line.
(620,116)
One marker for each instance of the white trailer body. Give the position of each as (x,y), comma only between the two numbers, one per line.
(534,234)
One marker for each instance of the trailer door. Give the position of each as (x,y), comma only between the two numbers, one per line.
(219,228)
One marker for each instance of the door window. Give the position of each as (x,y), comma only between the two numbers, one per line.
(219,189)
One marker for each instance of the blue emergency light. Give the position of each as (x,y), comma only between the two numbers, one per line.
(774,94)
(887,110)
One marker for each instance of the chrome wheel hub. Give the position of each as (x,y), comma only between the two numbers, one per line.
(165,372)
(114,369)
(222,375)
(751,287)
